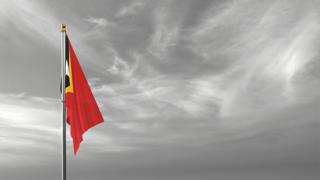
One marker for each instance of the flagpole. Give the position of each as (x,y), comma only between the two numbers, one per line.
(63,71)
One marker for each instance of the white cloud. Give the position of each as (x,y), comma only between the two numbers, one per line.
(165,33)
(241,103)
(294,54)
(131,9)
(119,67)
(264,53)
(32,126)
(28,124)
(37,21)
(31,18)
(101,22)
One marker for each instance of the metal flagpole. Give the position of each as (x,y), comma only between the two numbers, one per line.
(63,84)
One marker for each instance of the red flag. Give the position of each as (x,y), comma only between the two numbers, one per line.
(82,109)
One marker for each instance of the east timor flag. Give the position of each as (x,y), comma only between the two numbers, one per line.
(82,111)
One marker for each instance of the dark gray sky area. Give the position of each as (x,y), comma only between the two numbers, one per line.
(189,89)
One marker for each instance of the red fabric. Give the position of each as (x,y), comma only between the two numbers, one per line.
(82,110)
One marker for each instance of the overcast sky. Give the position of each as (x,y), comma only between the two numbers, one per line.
(189,89)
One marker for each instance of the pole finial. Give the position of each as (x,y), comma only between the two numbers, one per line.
(63,27)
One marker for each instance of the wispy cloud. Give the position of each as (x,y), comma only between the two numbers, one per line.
(165,34)
(32,126)
(262,64)
(29,124)
(130,9)
(100,22)
(32,18)
(231,84)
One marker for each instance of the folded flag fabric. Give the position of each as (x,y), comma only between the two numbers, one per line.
(82,111)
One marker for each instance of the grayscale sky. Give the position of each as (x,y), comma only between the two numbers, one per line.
(189,89)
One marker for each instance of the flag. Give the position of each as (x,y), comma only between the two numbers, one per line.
(82,112)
